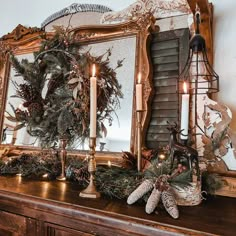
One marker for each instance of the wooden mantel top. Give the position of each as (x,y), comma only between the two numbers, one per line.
(53,200)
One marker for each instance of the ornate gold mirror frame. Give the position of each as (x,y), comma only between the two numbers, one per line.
(20,41)
(23,41)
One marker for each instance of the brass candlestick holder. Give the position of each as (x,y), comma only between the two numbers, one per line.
(63,143)
(90,191)
(139,140)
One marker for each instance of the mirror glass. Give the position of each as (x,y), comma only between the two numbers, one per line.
(11,136)
(119,134)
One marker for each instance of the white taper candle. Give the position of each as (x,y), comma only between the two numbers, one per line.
(93,103)
(139,94)
(184,113)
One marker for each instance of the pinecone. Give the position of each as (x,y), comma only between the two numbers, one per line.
(82,173)
(169,202)
(42,65)
(35,109)
(28,93)
(54,83)
(142,189)
(20,115)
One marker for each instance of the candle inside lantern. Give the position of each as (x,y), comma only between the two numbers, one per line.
(139,94)
(93,103)
(184,113)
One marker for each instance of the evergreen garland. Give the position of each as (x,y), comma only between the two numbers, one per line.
(63,110)
(114,182)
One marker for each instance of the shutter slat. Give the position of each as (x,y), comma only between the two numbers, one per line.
(164,60)
(165,82)
(165,52)
(164,44)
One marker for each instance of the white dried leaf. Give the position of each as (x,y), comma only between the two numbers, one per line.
(75,92)
(73,80)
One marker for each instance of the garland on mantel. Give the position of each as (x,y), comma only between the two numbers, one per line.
(115,182)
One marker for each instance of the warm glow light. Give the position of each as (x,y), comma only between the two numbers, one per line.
(94,70)
(159,164)
(45,175)
(63,187)
(185,87)
(109,163)
(139,78)
(162,156)
(19,174)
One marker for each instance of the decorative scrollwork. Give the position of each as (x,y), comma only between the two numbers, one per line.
(86,35)
(19,32)
(159,8)
(4,49)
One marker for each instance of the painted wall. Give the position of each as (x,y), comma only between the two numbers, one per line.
(225,52)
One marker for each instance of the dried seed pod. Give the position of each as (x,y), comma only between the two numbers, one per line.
(169,203)
(153,201)
(143,188)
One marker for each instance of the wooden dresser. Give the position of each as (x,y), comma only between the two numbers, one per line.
(38,208)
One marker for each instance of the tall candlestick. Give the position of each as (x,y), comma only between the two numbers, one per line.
(139,94)
(184,113)
(93,103)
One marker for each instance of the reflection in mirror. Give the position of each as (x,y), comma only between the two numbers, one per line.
(10,134)
(118,135)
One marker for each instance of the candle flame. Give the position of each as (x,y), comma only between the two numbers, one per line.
(94,70)
(185,87)
(109,163)
(139,78)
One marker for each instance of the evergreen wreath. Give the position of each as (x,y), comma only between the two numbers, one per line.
(63,111)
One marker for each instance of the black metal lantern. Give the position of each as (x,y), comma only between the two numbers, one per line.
(198,78)
(198,73)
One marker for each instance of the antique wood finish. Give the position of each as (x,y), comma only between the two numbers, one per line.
(54,208)
(169,52)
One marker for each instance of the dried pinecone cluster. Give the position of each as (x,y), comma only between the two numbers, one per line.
(160,190)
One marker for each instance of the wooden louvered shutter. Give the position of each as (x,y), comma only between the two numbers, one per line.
(169,52)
